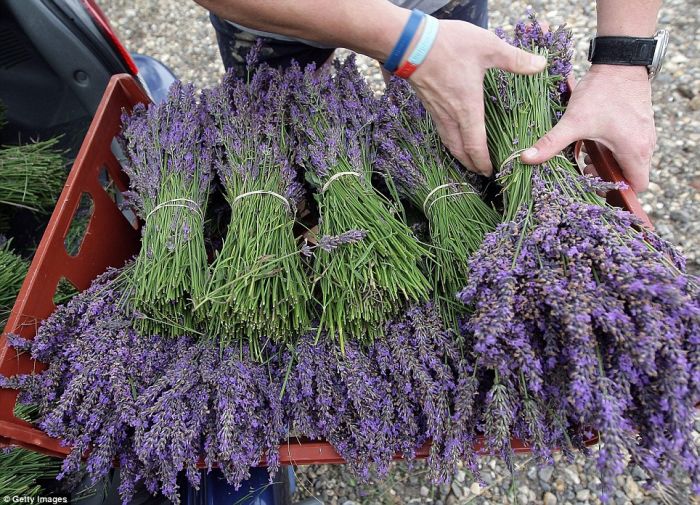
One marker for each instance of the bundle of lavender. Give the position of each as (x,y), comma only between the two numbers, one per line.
(411,154)
(13,270)
(31,175)
(364,283)
(257,283)
(169,171)
(372,402)
(582,318)
(154,404)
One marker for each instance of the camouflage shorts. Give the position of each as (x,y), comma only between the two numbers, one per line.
(235,44)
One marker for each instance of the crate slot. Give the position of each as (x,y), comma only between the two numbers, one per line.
(116,195)
(79,224)
(65,290)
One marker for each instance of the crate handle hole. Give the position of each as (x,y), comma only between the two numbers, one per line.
(79,224)
(65,290)
(117,197)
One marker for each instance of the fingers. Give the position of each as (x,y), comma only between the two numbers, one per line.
(516,60)
(449,132)
(473,136)
(635,168)
(552,143)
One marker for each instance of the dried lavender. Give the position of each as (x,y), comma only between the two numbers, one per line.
(384,400)
(257,281)
(598,328)
(156,404)
(410,152)
(582,321)
(169,170)
(31,176)
(363,284)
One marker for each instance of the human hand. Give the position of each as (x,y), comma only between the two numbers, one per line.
(611,105)
(450,83)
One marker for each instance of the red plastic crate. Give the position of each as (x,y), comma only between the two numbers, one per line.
(110,240)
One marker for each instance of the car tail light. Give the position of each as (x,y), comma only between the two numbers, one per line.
(103,23)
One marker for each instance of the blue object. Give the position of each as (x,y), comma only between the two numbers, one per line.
(257,490)
(155,76)
(425,43)
(409,31)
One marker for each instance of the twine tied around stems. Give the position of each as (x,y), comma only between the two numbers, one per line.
(176,202)
(518,152)
(264,192)
(337,176)
(426,210)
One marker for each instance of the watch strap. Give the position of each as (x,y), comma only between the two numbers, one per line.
(622,50)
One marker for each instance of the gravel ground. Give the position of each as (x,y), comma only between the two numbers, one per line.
(179,34)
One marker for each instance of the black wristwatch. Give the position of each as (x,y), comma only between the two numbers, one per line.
(635,51)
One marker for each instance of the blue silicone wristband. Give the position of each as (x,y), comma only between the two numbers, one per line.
(414,20)
(425,43)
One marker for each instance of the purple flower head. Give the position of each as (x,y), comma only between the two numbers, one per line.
(329,243)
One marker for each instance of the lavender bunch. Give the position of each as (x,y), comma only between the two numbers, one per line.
(169,169)
(583,322)
(218,403)
(13,270)
(411,154)
(601,332)
(361,285)
(21,470)
(387,399)
(31,176)
(85,397)
(155,404)
(257,283)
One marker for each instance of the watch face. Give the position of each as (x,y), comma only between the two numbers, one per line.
(659,52)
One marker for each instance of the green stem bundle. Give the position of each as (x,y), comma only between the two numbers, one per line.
(412,155)
(258,286)
(169,170)
(31,175)
(363,283)
(13,270)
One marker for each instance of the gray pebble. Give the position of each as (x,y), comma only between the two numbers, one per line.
(583,495)
(545,473)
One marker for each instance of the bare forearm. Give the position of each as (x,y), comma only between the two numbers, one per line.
(369,27)
(634,18)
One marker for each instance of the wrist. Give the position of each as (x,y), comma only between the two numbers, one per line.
(627,72)
(376,35)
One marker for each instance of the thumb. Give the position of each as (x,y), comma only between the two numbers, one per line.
(517,61)
(552,143)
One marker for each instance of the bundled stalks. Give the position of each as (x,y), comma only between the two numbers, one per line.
(257,282)
(579,315)
(31,175)
(21,470)
(389,398)
(411,154)
(13,270)
(169,171)
(155,404)
(364,283)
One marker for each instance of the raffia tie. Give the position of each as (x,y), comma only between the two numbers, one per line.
(178,202)
(338,176)
(426,210)
(264,192)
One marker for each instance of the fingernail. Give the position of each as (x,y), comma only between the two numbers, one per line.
(529,153)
